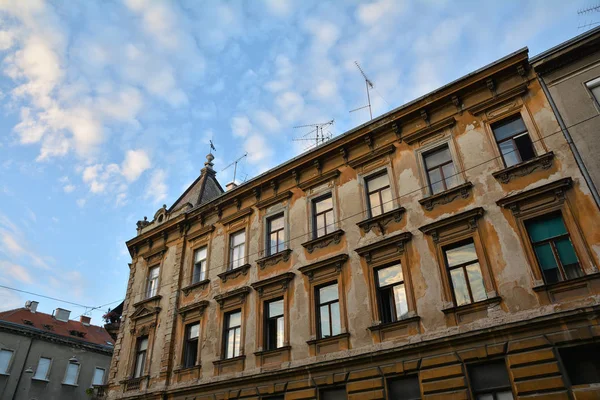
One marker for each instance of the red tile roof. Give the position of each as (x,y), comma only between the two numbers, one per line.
(47,323)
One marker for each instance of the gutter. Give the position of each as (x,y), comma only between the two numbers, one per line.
(572,145)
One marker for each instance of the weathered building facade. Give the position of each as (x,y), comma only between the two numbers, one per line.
(447,249)
(50,357)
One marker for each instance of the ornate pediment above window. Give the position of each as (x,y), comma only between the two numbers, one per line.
(447,196)
(324,241)
(193,310)
(274,259)
(427,131)
(539,196)
(331,265)
(382,220)
(319,179)
(147,310)
(198,285)
(274,284)
(525,168)
(192,236)
(388,248)
(155,256)
(233,298)
(236,216)
(372,155)
(498,99)
(234,273)
(274,200)
(453,225)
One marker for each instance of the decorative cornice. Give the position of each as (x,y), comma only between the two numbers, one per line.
(273,259)
(201,232)
(372,155)
(200,306)
(282,280)
(241,293)
(382,220)
(144,312)
(147,300)
(335,261)
(317,180)
(471,216)
(558,187)
(152,257)
(237,215)
(422,133)
(323,241)
(525,168)
(274,200)
(447,196)
(234,273)
(397,241)
(497,99)
(201,285)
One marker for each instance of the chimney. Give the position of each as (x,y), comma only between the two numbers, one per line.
(230,186)
(31,306)
(85,320)
(60,314)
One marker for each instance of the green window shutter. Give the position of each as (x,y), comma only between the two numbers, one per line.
(542,229)
(545,256)
(566,252)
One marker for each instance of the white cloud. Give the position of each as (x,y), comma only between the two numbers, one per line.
(258,149)
(266,120)
(240,126)
(69,188)
(6,40)
(81,203)
(279,8)
(135,163)
(15,271)
(372,13)
(157,188)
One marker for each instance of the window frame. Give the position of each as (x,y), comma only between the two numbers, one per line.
(315,215)
(45,378)
(370,177)
(440,168)
(318,306)
(267,318)
(194,263)
(227,329)
(446,140)
(463,266)
(379,289)
(10,360)
(283,231)
(103,376)
(506,120)
(406,377)
(64,381)
(148,294)
(590,85)
(186,343)
(336,388)
(492,391)
(230,249)
(136,353)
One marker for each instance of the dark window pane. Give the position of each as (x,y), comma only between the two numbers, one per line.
(462,254)
(582,363)
(405,388)
(332,394)
(386,305)
(545,228)
(566,252)
(276,308)
(437,157)
(507,128)
(525,147)
(388,275)
(509,153)
(489,377)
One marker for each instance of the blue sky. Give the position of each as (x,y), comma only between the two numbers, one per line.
(106,107)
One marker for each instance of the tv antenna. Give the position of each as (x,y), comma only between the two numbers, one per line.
(588,11)
(235,163)
(320,134)
(368,84)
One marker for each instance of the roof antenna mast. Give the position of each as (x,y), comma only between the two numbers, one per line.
(235,163)
(368,84)
(320,135)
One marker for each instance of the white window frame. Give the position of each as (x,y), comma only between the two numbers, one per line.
(430,147)
(10,361)
(64,381)
(103,376)
(147,294)
(232,235)
(593,84)
(45,378)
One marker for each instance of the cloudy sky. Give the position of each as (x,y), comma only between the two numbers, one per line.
(106,107)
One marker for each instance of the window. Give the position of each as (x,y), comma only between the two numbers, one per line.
(199,265)
(581,363)
(490,381)
(553,248)
(379,195)
(43,369)
(276,234)
(465,273)
(404,388)
(328,315)
(72,373)
(140,356)
(5,359)
(323,216)
(391,293)
(594,87)
(190,351)
(152,287)
(439,166)
(275,325)
(332,394)
(237,249)
(233,331)
(513,141)
(98,377)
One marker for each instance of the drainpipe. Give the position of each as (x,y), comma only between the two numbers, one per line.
(572,145)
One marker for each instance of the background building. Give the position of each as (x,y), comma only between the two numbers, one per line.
(49,356)
(446,249)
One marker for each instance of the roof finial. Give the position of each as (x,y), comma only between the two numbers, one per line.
(208,164)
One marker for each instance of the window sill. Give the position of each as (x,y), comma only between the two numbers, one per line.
(525,168)
(569,290)
(42,380)
(234,273)
(229,365)
(473,307)
(447,196)
(183,370)
(324,241)
(382,220)
(328,339)
(272,351)
(201,285)
(395,324)
(274,259)
(148,300)
(4,374)
(272,359)
(69,384)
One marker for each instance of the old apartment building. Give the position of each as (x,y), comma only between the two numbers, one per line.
(448,249)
